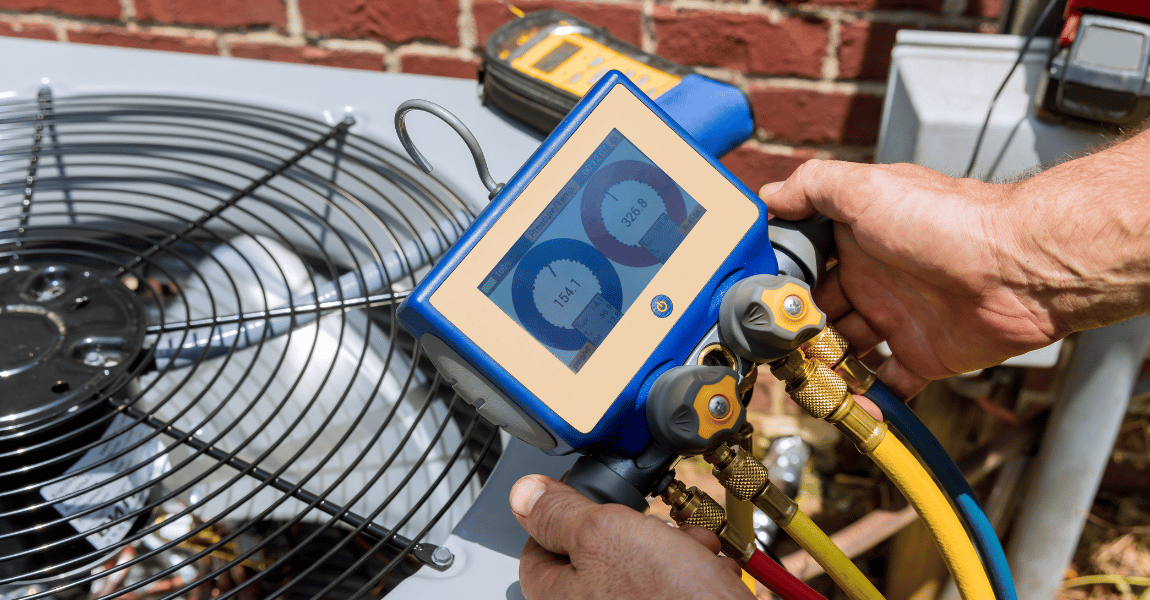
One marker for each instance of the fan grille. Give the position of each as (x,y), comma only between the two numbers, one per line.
(273,433)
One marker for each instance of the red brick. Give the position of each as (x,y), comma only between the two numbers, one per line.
(310,55)
(108,36)
(386,20)
(101,9)
(439,65)
(865,50)
(923,5)
(984,8)
(749,43)
(623,21)
(816,117)
(214,13)
(757,168)
(37,31)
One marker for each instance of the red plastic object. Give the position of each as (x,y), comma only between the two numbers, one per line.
(779,580)
(1138,9)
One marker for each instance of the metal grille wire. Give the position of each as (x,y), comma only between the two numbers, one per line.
(275,429)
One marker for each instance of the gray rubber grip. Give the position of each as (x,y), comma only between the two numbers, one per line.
(803,247)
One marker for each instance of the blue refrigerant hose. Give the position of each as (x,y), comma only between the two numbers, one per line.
(918,437)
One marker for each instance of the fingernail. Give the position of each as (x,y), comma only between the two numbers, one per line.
(524,494)
(770,188)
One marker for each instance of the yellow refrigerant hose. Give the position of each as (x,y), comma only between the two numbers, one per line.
(825,395)
(747,479)
(923,494)
(832,559)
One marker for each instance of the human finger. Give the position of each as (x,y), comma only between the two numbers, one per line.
(541,572)
(830,297)
(904,382)
(732,565)
(858,333)
(551,512)
(704,536)
(816,186)
(869,406)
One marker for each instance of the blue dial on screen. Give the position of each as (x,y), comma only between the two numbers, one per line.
(554,285)
(590,253)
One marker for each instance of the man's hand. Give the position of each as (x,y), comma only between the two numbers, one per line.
(579,549)
(927,263)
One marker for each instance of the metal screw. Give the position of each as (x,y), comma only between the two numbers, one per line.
(719,406)
(793,305)
(442,556)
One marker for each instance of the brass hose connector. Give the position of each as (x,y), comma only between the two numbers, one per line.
(746,478)
(830,348)
(824,394)
(694,507)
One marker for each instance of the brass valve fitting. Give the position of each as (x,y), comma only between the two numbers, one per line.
(694,507)
(825,395)
(814,386)
(830,348)
(746,478)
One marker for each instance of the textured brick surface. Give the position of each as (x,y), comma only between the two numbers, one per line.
(815,117)
(984,8)
(439,65)
(370,61)
(214,13)
(108,36)
(386,20)
(27,30)
(765,47)
(932,6)
(103,9)
(864,49)
(624,21)
(750,43)
(757,168)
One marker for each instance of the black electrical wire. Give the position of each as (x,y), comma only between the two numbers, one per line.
(1038,23)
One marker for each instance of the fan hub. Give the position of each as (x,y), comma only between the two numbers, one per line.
(69,333)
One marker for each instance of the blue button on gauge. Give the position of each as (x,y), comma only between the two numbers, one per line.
(555,285)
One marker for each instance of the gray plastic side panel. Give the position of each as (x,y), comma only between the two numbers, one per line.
(489,521)
(939,89)
(479,392)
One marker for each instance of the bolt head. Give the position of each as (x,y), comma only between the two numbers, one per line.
(442,555)
(793,306)
(719,406)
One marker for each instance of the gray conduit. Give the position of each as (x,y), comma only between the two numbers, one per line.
(1076,448)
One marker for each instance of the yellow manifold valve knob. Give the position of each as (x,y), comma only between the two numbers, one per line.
(694,408)
(765,317)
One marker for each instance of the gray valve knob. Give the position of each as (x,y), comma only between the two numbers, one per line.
(765,317)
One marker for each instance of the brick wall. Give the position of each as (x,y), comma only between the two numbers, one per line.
(814,69)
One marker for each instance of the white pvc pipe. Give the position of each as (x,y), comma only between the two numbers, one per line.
(1080,435)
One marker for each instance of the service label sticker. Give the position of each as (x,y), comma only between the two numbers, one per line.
(108,481)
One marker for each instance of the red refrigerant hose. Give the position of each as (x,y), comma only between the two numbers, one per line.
(779,580)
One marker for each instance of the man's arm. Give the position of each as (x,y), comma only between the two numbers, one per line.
(956,274)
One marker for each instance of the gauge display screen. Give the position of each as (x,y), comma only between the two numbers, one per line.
(559,55)
(586,258)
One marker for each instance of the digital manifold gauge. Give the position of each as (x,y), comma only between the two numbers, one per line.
(600,266)
(537,67)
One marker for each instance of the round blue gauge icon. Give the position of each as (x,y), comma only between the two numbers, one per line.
(555,282)
(661,306)
(625,201)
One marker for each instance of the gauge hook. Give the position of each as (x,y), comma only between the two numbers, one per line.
(458,126)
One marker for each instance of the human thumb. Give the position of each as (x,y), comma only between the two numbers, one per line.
(550,511)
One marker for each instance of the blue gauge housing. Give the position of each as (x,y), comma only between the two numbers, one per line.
(527,259)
